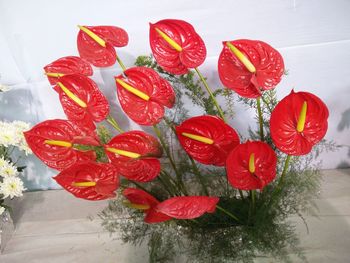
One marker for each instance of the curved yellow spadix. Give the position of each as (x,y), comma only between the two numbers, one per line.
(58,143)
(83,184)
(54,75)
(252,163)
(302,117)
(134,91)
(136,206)
(91,34)
(245,61)
(72,96)
(171,42)
(124,153)
(198,138)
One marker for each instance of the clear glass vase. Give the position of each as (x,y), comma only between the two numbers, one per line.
(6,230)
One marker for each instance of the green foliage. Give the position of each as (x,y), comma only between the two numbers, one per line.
(263,229)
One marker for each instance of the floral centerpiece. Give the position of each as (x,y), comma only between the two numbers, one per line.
(194,185)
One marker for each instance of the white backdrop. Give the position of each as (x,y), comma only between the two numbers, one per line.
(312,36)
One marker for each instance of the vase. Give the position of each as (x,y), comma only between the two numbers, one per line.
(6,230)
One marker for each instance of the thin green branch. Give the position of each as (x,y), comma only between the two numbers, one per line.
(172,162)
(285,168)
(261,122)
(199,176)
(121,64)
(114,123)
(221,113)
(227,212)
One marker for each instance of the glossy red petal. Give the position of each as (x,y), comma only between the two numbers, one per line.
(268,63)
(225,139)
(142,169)
(96,54)
(86,90)
(237,166)
(57,157)
(284,119)
(140,197)
(104,175)
(177,62)
(152,216)
(68,65)
(149,82)
(187,207)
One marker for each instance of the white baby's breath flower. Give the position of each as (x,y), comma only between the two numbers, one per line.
(3,162)
(21,126)
(12,187)
(11,133)
(4,88)
(8,135)
(2,210)
(8,169)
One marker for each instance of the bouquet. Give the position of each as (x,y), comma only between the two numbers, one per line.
(193,185)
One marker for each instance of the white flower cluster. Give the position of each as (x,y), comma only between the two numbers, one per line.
(4,88)
(10,184)
(11,134)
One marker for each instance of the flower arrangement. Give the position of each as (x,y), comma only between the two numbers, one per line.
(196,186)
(11,139)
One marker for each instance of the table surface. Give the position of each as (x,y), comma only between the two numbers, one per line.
(54,227)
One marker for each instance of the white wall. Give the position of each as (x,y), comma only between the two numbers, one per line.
(313,37)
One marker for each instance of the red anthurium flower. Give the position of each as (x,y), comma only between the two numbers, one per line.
(187,207)
(96,44)
(82,101)
(140,199)
(249,67)
(251,165)
(298,122)
(52,142)
(67,65)
(144,94)
(90,180)
(135,154)
(176,46)
(207,139)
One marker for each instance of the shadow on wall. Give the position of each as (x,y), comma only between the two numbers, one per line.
(19,104)
(344,121)
(344,125)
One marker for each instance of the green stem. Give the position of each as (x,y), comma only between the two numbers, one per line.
(114,123)
(267,104)
(172,162)
(261,123)
(285,168)
(227,212)
(252,192)
(121,64)
(221,113)
(165,184)
(241,193)
(171,182)
(199,176)
(195,167)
